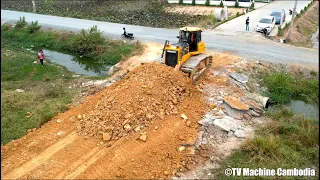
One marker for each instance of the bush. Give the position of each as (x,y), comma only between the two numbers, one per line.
(33,27)
(180,1)
(87,42)
(21,23)
(238,14)
(297,15)
(207,3)
(281,87)
(305,8)
(236,4)
(221,4)
(193,2)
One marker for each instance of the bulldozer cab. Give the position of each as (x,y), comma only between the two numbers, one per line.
(190,35)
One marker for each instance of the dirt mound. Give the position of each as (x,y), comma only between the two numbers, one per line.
(151,91)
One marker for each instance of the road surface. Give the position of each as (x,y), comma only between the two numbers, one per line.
(238,24)
(250,47)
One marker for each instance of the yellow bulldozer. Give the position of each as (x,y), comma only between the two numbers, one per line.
(187,54)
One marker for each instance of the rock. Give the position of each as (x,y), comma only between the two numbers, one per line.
(175,101)
(230,133)
(59,120)
(20,90)
(143,137)
(166,173)
(220,113)
(247,116)
(34,129)
(149,116)
(76,75)
(127,116)
(239,77)
(188,123)
(34,62)
(227,123)
(5,148)
(181,148)
(89,83)
(156,127)
(137,129)
(239,133)
(127,127)
(253,113)
(183,116)
(113,69)
(235,103)
(29,130)
(59,133)
(211,106)
(79,116)
(106,136)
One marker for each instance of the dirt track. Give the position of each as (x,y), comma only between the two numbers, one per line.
(45,155)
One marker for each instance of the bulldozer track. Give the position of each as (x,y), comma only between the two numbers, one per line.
(196,66)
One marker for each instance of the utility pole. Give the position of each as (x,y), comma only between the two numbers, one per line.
(293,15)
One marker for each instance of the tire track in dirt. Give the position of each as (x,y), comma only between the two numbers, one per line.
(41,158)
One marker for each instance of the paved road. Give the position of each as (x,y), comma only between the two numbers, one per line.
(246,46)
(238,24)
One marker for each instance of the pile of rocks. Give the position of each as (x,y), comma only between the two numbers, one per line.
(151,91)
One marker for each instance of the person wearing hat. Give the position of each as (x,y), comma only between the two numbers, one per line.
(247,24)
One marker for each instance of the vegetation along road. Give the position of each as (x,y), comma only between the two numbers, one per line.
(246,47)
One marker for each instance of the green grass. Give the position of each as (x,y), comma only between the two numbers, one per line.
(288,141)
(46,92)
(283,87)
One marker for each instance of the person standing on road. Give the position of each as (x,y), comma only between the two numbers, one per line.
(247,24)
(41,56)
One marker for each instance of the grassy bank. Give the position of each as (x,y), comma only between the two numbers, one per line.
(305,24)
(283,87)
(46,89)
(46,92)
(137,12)
(88,43)
(287,142)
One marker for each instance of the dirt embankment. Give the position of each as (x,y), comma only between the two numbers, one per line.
(141,114)
(304,27)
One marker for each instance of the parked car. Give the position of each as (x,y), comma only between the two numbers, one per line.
(278,14)
(267,22)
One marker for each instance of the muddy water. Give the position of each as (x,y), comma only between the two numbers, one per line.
(308,110)
(76,64)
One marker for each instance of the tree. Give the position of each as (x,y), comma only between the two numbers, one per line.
(193,2)
(207,3)
(221,4)
(236,4)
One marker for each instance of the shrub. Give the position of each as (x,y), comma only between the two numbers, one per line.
(180,1)
(21,23)
(297,15)
(281,87)
(87,42)
(33,27)
(193,2)
(207,3)
(305,8)
(221,4)
(236,4)
(238,14)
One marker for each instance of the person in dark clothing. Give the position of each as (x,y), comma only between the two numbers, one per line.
(41,56)
(247,24)
(124,29)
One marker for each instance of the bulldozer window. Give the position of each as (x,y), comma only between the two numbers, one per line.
(199,36)
(193,41)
